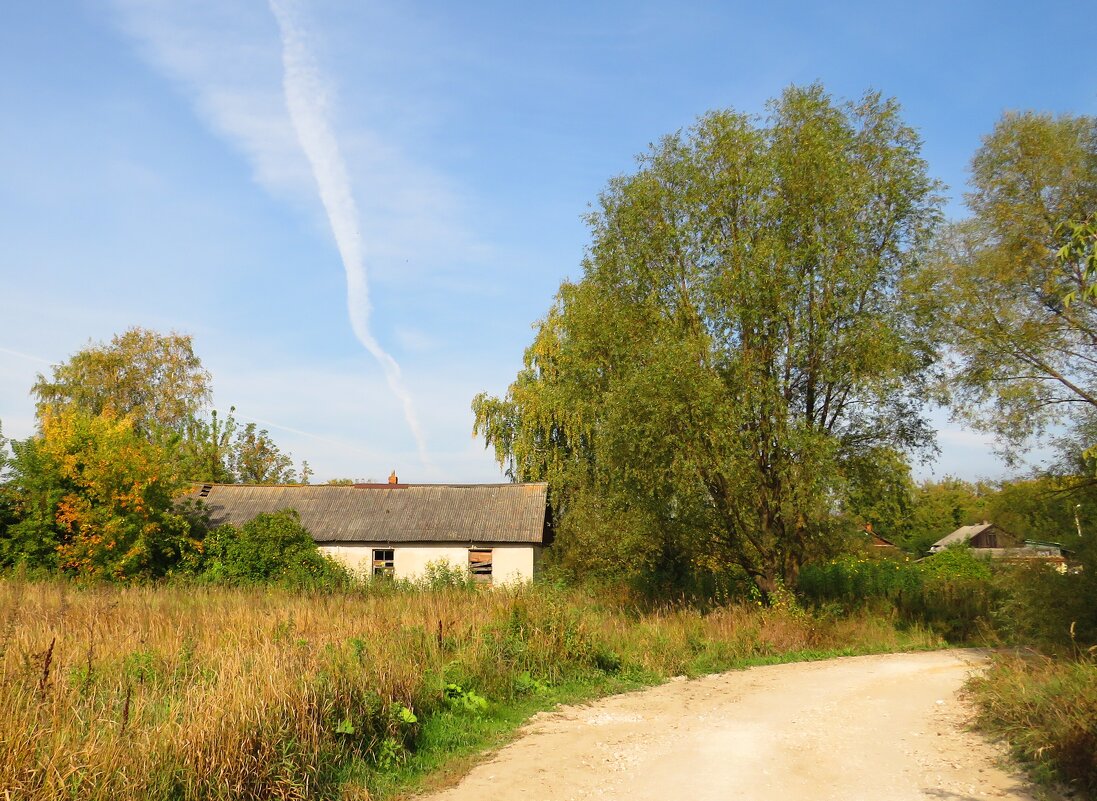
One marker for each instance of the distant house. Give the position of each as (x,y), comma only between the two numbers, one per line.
(981,535)
(998,543)
(497,531)
(877,542)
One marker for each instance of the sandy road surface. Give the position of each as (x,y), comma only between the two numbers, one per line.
(879,728)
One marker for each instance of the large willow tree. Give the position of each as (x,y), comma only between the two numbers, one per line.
(1014,287)
(739,352)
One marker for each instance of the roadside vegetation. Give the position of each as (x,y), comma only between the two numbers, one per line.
(204,692)
(1040,693)
(726,406)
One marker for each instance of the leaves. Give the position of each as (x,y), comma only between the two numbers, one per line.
(740,333)
(154,379)
(269,548)
(1007,282)
(96,500)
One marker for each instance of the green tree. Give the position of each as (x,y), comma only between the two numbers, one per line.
(5,456)
(7,490)
(880,493)
(256,459)
(740,339)
(96,499)
(154,379)
(940,507)
(158,382)
(220,450)
(206,447)
(1080,251)
(1046,508)
(1024,354)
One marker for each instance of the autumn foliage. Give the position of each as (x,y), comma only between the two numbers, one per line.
(100,497)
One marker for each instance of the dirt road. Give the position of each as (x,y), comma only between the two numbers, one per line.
(879,728)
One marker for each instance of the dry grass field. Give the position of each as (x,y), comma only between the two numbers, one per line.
(177,692)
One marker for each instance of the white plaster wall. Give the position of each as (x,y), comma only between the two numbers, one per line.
(510,562)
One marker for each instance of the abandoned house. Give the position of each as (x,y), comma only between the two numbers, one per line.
(998,543)
(497,531)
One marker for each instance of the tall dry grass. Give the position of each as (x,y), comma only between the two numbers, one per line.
(1046,708)
(176,692)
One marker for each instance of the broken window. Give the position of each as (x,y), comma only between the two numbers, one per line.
(480,565)
(384,562)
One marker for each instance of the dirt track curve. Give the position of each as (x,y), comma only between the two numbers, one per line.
(878,728)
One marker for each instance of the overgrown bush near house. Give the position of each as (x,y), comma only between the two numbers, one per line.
(854,580)
(957,596)
(1047,710)
(442,574)
(270,548)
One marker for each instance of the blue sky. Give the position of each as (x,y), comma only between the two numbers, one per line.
(152,173)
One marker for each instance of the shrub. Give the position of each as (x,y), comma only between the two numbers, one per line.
(951,591)
(441,574)
(270,548)
(1043,607)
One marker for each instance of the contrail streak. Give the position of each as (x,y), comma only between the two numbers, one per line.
(26,356)
(305,93)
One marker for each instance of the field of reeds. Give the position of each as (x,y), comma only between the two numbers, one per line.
(178,692)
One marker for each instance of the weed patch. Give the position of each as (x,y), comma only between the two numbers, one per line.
(203,692)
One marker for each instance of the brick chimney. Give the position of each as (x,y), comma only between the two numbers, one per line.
(393,479)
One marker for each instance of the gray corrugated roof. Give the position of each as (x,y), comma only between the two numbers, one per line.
(962,534)
(408,513)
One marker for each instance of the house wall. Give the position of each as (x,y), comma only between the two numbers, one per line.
(994,537)
(511,562)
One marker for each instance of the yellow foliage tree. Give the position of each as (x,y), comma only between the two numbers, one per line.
(114,516)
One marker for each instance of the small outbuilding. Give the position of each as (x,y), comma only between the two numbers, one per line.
(496,531)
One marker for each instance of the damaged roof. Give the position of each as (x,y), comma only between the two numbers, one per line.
(514,513)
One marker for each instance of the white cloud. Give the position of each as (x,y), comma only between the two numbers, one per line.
(225,58)
(305,90)
(415,340)
(253,78)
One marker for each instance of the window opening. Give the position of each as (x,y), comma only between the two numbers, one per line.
(480,565)
(384,562)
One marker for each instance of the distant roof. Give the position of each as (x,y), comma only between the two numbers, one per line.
(1004,539)
(962,534)
(392,513)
